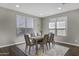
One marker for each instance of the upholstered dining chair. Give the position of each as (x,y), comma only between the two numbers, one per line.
(44,41)
(29,42)
(51,39)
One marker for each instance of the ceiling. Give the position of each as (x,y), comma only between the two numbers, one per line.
(41,9)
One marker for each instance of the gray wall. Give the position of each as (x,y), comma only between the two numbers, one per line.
(8,26)
(72,26)
(37,24)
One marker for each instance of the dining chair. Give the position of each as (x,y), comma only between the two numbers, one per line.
(44,41)
(51,39)
(29,42)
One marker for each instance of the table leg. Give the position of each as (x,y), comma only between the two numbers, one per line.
(36,48)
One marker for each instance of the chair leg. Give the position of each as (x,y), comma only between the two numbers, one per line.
(29,49)
(42,47)
(26,48)
(47,46)
(53,43)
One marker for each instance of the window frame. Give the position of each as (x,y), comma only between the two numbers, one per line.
(56,29)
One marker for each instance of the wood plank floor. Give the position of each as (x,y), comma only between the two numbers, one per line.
(14,51)
(11,51)
(73,51)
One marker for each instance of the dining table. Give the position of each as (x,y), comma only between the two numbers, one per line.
(37,39)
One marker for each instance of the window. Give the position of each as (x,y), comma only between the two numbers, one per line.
(52,27)
(61,28)
(61,24)
(58,27)
(20,21)
(61,32)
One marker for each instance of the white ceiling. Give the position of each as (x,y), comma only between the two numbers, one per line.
(41,9)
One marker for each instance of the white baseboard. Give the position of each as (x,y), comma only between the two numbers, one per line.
(68,43)
(12,44)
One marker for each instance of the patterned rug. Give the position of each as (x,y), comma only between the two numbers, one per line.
(56,50)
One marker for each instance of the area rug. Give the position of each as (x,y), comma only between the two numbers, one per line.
(56,50)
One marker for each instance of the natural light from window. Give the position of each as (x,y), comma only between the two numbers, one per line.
(58,27)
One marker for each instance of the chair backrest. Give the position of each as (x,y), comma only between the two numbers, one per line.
(45,38)
(52,37)
(27,40)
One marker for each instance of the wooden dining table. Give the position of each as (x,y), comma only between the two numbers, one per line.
(37,39)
